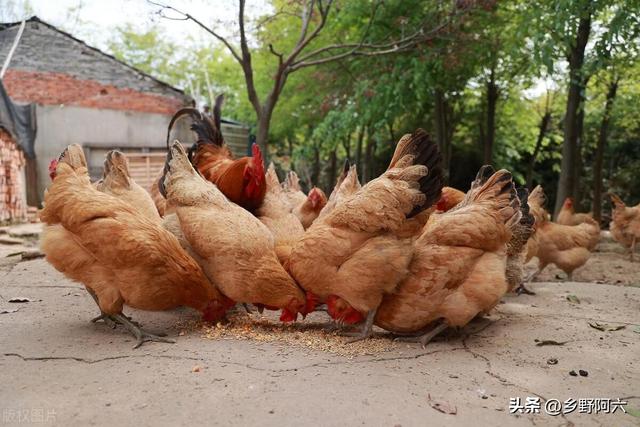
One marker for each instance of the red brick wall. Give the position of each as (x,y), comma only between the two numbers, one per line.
(12,203)
(55,88)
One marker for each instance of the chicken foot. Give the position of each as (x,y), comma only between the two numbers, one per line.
(112,320)
(103,316)
(106,318)
(365,332)
(141,335)
(522,289)
(424,339)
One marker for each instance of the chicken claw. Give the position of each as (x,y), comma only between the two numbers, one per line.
(425,338)
(111,321)
(103,316)
(523,290)
(141,335)
(106,319)
(365,332)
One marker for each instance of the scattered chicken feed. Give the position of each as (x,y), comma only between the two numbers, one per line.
(315,335)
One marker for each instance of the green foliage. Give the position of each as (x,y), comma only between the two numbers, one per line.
(324,109)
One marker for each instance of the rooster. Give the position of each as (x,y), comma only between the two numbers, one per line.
(120,255)
(241,180)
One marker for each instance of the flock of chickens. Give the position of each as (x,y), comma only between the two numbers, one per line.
(400,252)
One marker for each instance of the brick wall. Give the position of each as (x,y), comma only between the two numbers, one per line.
(49,88)
(12,204)
(51,67)
(45,48)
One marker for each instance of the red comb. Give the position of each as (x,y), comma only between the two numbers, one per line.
(53,164)
(257,155)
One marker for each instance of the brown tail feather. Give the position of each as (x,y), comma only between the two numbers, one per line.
(537,197)
(500,189)
(617,201)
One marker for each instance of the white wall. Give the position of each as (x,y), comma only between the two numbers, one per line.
(59,126)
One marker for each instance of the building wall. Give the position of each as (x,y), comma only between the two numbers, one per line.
(47,88)
(87,97)
(100,129)
(13,205)
(46,49)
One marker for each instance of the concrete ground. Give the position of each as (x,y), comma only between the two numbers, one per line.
(57,368)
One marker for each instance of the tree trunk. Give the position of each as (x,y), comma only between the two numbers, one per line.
(358,158)
(315,173)
(442,132)
(602,143)
(574,98)
(333,165)
(490,136)
(542,131)
(346,143)
(577,168)
(262,134)
(290,144)
(367,172)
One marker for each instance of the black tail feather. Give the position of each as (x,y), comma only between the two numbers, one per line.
(217,108)
(426,153)
(194,113)
(485,173)
(207,130)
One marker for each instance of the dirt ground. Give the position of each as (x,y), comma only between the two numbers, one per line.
(57,368)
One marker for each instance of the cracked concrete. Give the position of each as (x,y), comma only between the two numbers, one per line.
(53,359)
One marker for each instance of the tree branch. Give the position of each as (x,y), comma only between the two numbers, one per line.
(307,12)
(188,17)
(304,41)
(367,49)
(246,63)
(273,51)
(345,45)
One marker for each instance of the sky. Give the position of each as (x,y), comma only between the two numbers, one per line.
(93,21)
